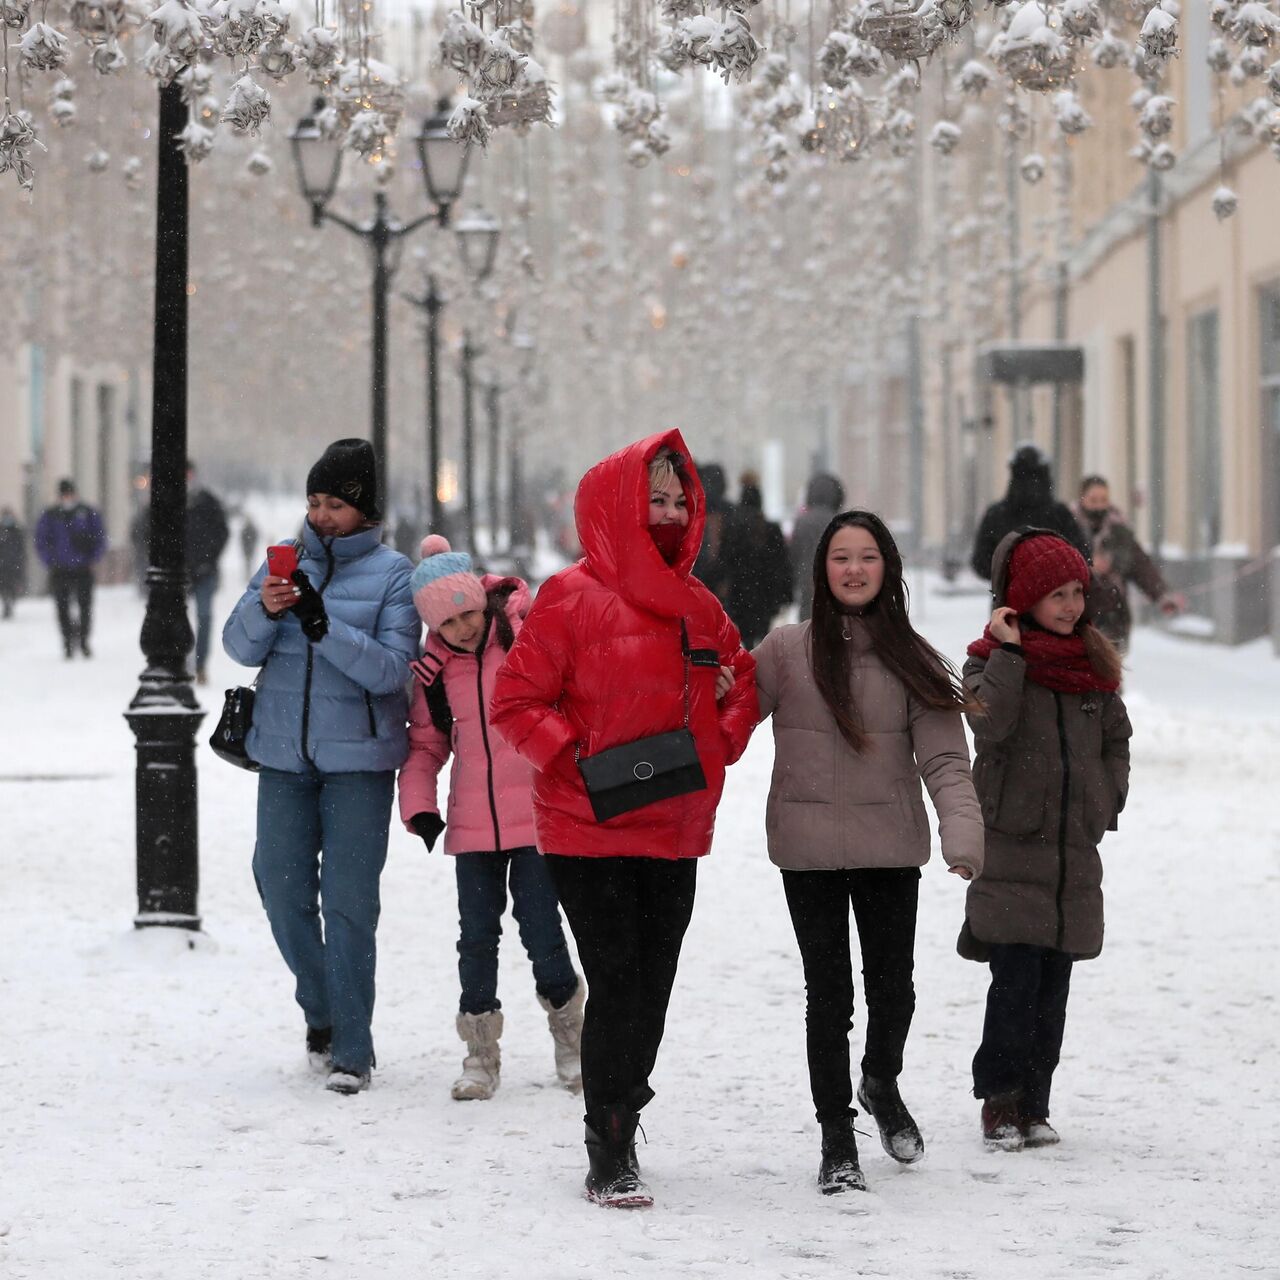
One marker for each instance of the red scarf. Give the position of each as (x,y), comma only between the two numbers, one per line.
(1056,662)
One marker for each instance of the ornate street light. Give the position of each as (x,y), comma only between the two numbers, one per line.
(478,244)
(318,158)
(444,163)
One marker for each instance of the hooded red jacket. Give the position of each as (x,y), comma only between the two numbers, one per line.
(599,663)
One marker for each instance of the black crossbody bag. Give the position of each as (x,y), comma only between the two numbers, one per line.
(649,769)
(230,738)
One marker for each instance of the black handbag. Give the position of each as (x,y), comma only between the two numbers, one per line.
(230,738)
(647,770)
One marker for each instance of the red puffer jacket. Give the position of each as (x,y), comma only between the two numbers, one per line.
(599,663)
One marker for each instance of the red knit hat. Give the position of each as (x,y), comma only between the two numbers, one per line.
(1039,565)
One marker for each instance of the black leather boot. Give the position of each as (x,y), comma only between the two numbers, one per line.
(613,1176)
(839,1170)
(899,1135)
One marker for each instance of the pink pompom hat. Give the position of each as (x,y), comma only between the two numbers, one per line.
(443,584)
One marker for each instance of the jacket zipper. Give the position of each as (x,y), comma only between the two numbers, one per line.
(306,683)
(368,706)
(488,755)
(1062,819)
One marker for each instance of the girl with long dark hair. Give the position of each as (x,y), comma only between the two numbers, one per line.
(863,708)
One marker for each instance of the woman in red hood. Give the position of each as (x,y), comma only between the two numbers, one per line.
(624,645)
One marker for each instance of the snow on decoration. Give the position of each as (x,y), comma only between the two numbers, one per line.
(1218,55)
(1162,157)
(239,28)
(1032,51)
(462,44)
(177,30)
(1225,203)
(195,142)
(1081,19)
(131,171)
(1273,81)
(1032,168)
(1157,40)
(1255,24)
(276,58)
(259,164)
(899,29)
(944,137)
(900,129)
(1070,114)
(321,51)
(369,86)
(161,65)
(107,58)
(248,107)
(367,135)
(13,13)
(43,48)
(17,138)
(195,82)
(469,124)
(63,112)
(98,160)
(974,78)
(1253,62)
(1156,117)
(1109,51)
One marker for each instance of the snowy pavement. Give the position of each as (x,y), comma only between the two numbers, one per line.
(159,1120)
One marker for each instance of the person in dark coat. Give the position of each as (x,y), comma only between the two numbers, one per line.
(207,535)
(709,568)
(1028,503)
(1051,770)
(249,537)
(70,540)
(1118,559)
(13,560)
(823,498)
(756,564)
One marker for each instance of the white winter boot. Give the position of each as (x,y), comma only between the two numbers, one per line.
(566,1030)
(480,1068)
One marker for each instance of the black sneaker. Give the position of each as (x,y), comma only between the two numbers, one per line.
(347,1080)
(899,1135)
(319,1040)
(839,1170)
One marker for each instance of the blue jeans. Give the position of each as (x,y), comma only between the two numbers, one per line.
(322,842)
(482,898)
(202,592)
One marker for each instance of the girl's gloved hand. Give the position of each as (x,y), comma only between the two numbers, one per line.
(428,826)
(309,608)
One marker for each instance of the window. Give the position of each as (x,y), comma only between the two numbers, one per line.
(1204,457)
(1197,89)
(106,453)
(1269,326)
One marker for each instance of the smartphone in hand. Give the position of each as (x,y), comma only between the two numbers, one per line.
(282,559)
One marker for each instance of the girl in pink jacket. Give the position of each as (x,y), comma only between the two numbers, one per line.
(472,623)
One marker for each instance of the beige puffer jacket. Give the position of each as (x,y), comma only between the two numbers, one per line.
(831,808)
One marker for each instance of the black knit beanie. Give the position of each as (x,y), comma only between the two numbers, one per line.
(348,471)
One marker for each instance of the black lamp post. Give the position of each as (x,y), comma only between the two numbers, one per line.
(164,715)
(478,247)
(432,304)
(518,533)
(318,158)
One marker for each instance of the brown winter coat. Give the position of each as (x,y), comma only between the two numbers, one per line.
(831,808)
(1118,559)
(1051,771)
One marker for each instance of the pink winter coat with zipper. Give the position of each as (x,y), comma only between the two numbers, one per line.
(490,806)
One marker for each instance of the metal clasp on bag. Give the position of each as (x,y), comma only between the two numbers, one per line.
(642,777)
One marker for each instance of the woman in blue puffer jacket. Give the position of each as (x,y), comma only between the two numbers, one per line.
(329,731)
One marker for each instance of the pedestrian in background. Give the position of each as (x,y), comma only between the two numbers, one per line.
(329,731)
(709,567)
(757,567)
(823,497)
(626,645)
(1028,503)
(863,707)
(1118,559)
(249,538)
(473,622)
(13,561)
(207,535)
(1051,770)
(70,540)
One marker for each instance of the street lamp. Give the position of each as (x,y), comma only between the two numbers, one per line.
(478,247)
(318,159)
(432,304)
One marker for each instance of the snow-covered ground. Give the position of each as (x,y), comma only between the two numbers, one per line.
(159,1120)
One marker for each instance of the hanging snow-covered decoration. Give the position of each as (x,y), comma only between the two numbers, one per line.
(239,28)
(1218,55)
(1162,158)
(1157,43)
(43,48)
(1225,203)
(1070,114)
(949,17)
(1032,168)
(898,28)
(161,65)
(248,107)
(321,51)
(462,44)
(276,58)
(131,172)
(17,138)
(1032,51)
(195,142)
(733,49)
(177,30)
(107,58)
(1109,51)
(99,160)
(974,78)
(259,164)
(1156,117)
(944,137)
(369,86)
(1252,64)
(527,102)
(97,21)
(1255,24)
(469,124)
(13,13)
(1081,19)
(900,130)
(195,82)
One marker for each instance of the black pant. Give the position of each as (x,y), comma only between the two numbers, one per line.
(67,584)
(1022,1033)
(628,916)
(884,907)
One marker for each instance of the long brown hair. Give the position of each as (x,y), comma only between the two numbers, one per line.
(1103,656)
(927,675)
